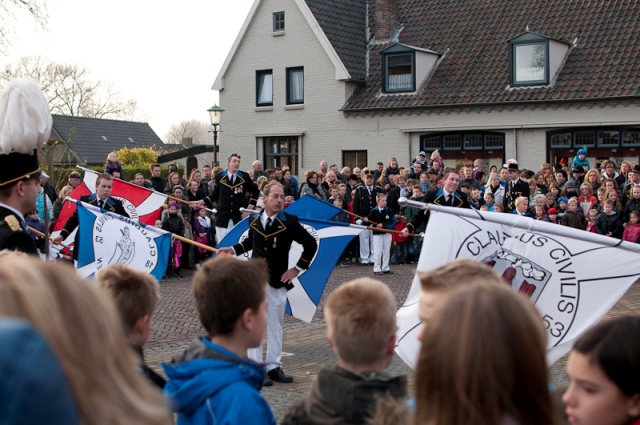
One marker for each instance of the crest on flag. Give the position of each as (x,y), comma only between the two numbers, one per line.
(119,240)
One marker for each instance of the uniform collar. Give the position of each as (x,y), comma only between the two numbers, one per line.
(15,212)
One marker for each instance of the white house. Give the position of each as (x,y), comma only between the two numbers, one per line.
(356,82)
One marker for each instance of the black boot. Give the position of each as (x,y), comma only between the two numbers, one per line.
(169,273)
(179,273)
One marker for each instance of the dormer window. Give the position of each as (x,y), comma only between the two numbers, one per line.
(534,59)
(403,66)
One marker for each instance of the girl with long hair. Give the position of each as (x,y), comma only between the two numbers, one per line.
(85,333)
(482,362)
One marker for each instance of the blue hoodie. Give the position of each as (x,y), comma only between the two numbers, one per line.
(209,384)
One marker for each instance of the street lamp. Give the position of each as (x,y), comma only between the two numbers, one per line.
(215,113)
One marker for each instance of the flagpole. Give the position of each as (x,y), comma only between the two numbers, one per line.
(150,190)
(39,233)
(198,244)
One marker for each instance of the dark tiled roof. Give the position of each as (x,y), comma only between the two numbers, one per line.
(475,70)
(343,22)
(88,142)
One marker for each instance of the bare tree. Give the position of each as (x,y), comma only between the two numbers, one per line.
(189,129)
(12,11)
(71,90)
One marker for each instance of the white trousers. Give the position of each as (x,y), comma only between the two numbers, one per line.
(276,303)
(366,247)
(221,232)
(382,249)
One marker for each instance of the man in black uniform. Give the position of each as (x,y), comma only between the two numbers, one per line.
(101,199)
(25,125)
(363,202)
(448,196)
(230,191)
(515,188)
(271,234)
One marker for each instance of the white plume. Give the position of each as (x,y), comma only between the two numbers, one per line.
(25,120)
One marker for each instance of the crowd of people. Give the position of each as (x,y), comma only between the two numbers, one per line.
(482,359)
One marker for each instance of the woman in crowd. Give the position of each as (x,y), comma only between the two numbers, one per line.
(495,188)
(173,180)
(594,178)
(85,333)
(482,362)
(57,205)
(604,368)
(328,181)
(312,187)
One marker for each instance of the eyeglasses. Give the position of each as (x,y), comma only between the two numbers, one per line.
(277,197)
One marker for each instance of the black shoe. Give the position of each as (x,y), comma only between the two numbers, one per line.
(267,382)
(388,272)
(179,273)
(279,376)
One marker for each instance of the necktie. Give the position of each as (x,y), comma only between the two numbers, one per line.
(268,226)
(447,199)
(233,179)
(101,204)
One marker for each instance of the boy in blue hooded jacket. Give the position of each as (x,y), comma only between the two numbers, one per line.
(211,381)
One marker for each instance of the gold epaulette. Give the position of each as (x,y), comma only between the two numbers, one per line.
(13,223)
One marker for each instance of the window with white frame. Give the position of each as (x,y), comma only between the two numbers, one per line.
(295,85)
(399,72)
(264,88)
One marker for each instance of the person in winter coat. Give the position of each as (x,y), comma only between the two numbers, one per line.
(608,221)
(212,382)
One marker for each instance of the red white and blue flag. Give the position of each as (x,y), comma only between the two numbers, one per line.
(142,204)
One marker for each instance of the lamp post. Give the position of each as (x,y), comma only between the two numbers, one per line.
(215,113)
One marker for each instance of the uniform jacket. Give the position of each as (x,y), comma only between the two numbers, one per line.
(274,245)
(382,216)
(112,205)
(230,198)
(363,203)
(209,384)
(513,191)
(13,235)
(339,396)
(436,197)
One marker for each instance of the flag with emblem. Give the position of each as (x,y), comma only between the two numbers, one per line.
(332,238)
(142,204)
(573,277)
(108,238)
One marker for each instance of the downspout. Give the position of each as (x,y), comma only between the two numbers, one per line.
(515,139)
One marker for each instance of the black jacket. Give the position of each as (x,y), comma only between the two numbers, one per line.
(512,192)
(437,197)
(609,224)
(363,203)
(230,198)
(275,244)
(13,235)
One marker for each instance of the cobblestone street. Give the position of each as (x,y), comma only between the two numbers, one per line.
(176,324)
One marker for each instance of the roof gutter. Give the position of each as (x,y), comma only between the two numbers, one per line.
(480,105)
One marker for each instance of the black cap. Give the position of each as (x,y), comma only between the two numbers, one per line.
(368,173)
(513,167)
(577,170)
(18,166)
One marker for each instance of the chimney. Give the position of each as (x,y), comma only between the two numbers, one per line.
(385,19)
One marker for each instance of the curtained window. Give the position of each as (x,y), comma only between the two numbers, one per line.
(264,88)
(295,85)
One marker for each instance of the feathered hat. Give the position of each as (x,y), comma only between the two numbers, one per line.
(25,125)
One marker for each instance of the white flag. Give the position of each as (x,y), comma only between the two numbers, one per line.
(574,277)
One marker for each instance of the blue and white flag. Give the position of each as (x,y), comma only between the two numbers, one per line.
(572,276)
(107,238)
(332,238)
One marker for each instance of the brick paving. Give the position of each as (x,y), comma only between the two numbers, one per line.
(176,324)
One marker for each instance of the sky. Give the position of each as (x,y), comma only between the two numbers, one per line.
(166,55)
